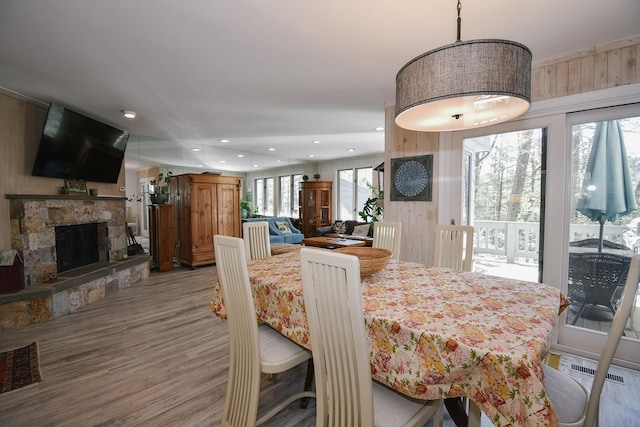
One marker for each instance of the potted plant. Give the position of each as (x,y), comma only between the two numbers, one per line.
(305,178)
(374,206)
(316,176)
(245,209)
(160,193)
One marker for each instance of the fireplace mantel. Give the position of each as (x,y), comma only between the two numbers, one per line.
(59,197)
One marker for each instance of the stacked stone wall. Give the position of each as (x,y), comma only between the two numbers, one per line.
(33,222)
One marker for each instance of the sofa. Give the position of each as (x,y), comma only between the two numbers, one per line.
(345,229)
(281,230)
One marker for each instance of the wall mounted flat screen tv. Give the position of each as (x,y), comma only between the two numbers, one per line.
(73,146)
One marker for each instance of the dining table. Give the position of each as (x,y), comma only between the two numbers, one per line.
(435,333)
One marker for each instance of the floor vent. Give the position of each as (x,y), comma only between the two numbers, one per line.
(592,372)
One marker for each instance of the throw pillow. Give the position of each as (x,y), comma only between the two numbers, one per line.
(283,226)
(361,230)
(340,227)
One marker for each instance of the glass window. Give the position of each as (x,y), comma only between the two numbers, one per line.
(345,195)
(264,196)
(355,187)
(604,220)
(289,199)
(295,204)
(285,196)
(364,181)
(269,195)
(503,197)
(259,192)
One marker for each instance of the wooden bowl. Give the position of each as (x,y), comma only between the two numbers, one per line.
(372,260)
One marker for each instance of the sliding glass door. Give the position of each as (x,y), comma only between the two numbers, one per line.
(603,225)
(568,226)
(503,200)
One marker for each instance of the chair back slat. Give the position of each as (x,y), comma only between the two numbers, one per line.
(241,403)
(387,235)
(256,239)
(454,247)
(333,303)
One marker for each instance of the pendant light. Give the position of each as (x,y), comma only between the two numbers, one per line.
(464,85)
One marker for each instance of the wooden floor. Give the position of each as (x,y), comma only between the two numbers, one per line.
(155,355)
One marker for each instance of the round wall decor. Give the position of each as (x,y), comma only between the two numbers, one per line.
(412,178)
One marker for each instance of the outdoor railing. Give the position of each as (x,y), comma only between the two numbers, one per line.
(520,239)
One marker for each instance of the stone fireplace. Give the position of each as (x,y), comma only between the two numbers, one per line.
(34,220)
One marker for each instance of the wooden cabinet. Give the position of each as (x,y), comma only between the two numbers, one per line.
(161,236)
(315,206)
(204,205)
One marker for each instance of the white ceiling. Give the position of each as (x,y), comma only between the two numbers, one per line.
(263,74)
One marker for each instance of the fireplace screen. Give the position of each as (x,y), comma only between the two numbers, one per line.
(76,246)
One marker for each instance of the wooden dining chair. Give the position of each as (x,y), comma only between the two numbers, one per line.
(253,349)
(575,405)
(256,239)
(454,247)
(345,393)
(386,235)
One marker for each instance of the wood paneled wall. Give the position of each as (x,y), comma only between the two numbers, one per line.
(601,67)
(21,122)
(418,218)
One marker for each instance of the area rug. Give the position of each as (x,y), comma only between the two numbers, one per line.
(19,367)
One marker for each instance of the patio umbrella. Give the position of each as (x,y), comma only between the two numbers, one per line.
(607,190)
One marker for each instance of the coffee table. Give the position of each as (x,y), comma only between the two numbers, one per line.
(331,242)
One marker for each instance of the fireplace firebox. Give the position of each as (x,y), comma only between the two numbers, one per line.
(76,246)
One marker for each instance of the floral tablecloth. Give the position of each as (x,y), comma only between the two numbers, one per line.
(436,333)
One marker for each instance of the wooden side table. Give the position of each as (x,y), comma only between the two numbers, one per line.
(160,236)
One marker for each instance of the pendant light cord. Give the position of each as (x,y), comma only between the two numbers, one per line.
(459,20)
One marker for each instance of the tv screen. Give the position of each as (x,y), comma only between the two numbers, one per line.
(73,146)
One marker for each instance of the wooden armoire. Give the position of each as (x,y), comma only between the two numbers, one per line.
(204,205)
(315,206)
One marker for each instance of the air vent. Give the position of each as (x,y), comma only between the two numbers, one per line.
(592,372)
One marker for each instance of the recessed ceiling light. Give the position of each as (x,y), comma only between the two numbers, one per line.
(316,142)
(311,155)
(351,149)
(271,149)
(129,114)
(223,161)
(255,166)
(380,128)
(200,166)
(223,140)
(240,155)
(278,161)
(195,149)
